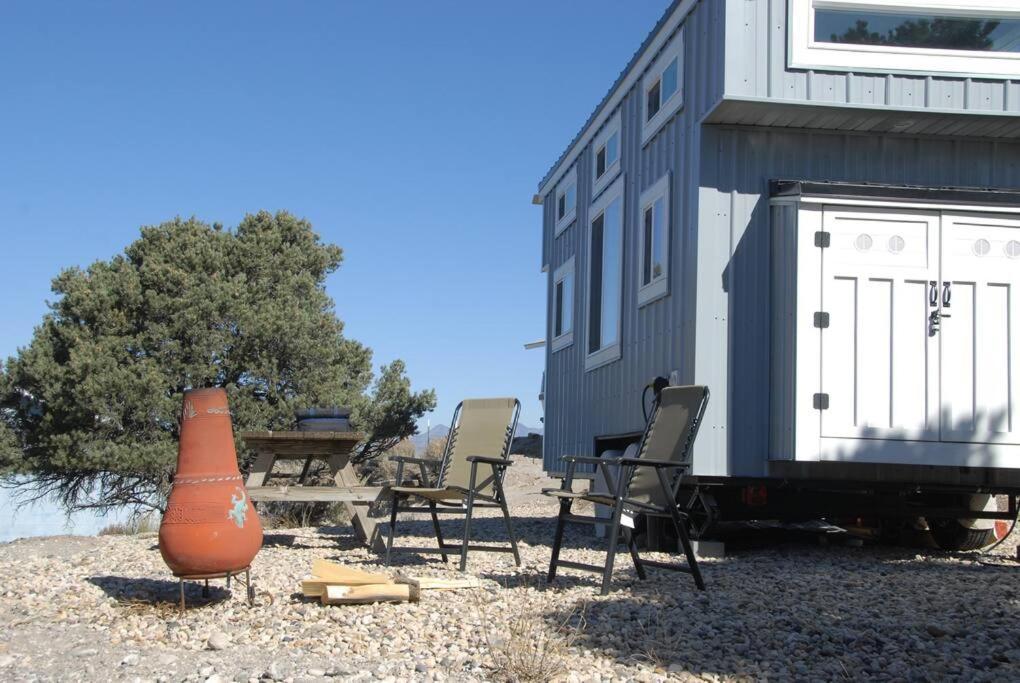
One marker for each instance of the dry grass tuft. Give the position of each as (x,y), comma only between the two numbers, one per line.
(532,648)
(145,524)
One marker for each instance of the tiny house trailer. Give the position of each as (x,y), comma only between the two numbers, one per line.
(824,228)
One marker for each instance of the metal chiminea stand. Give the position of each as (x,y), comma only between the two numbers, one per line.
(249,588)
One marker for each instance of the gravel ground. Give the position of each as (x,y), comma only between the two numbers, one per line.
(104,609)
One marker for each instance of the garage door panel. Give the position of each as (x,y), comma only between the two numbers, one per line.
(915,399)
(877,369)
(981,261)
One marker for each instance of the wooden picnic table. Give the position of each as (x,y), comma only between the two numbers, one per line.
(335,449)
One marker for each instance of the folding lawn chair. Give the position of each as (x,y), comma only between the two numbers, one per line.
(481,435)
(647,485)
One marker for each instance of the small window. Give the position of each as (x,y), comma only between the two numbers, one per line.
(566,200)
(605,278)
(606,156)
(662,87)
(563,306)
(653,242)
(906,36)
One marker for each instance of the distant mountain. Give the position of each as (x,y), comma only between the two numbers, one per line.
(439,431)
(422,437)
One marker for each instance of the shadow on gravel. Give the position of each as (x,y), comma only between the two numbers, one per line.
(156,593)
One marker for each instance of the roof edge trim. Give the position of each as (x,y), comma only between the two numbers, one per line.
(673,17)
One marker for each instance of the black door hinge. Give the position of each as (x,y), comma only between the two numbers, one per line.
(821,320)
(822,239)
(821,401)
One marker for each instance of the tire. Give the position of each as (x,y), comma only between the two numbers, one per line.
(950,534)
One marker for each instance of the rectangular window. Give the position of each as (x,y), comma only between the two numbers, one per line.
(653,239)
(606,156)
(563,306)
(566,200)
(605,278)
(922,29)
(906,36)
(662,87)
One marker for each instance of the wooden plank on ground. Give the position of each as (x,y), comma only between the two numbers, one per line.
(331,572)
(354,595)
(434,583)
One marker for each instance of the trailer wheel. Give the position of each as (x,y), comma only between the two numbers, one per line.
(951,534)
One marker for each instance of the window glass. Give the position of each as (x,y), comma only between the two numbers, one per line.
(917,29)
(611,267)
(595,295)
(613,148)
(567,304)
(600,162)
(570,199)
(654,252)
(658,238)
(646,256)
(653,99)
(558,310)
(669,81)
(561,206)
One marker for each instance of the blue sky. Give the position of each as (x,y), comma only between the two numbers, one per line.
(411,134)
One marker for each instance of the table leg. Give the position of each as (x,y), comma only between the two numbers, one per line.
(260,469)
(365,527)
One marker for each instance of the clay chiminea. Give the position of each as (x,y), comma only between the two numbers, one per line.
(210,526)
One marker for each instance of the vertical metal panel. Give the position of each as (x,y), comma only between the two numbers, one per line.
(733,336)
(582,405)
(756,58)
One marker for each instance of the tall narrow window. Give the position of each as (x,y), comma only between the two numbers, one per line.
(605,277)
(566,200)
(662,87)
(653,240)
(605,156)
(563,306)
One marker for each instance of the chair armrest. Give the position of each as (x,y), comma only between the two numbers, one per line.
(649,462)
(588,460)
(505,462)
(414,461)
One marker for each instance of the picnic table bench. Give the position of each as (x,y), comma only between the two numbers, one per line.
(335,448)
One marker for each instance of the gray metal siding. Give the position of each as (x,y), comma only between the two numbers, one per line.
(733,278)
(581,405)
(756,46)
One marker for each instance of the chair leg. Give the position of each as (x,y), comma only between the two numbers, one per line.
(614,537)
(558,539)
(393,525)
(681,532)
(435,526)
(685,542)
(628,535)
(467,531)
(509,522)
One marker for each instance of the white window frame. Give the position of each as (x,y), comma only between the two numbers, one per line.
(569,178)
(598,184)
(659,286)
(805,53)
(610,353)
(559,275)
(674,49)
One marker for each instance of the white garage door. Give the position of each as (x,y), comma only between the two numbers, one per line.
(922,312)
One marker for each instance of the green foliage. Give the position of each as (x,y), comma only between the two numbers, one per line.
(94,398)
(939,33)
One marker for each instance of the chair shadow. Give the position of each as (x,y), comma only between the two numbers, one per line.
(159,593)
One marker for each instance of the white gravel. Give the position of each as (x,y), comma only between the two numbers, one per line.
(105,609)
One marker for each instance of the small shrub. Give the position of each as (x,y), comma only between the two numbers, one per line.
(144,524)
(532,648)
